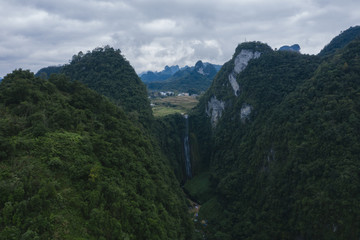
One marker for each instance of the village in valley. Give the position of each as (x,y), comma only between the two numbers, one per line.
(165,103)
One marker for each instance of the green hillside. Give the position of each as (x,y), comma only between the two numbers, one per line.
(107,72)
(73,166)
(340,41)
(274,149)
(283,154)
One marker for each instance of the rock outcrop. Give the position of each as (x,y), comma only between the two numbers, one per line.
(215,109)
(245,112)
(240,62)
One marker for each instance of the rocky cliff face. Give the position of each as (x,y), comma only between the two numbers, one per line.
(226,84)
(215,107)
(214,110)
(241,61)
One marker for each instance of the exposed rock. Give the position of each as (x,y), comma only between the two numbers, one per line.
(201,71)
(245,112)
(234,83)
(241,61)
(199,67)
(214,110)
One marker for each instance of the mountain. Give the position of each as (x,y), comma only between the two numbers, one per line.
(294,48)
(275,146)
(74,166)
(340,41)
(150,76)
(193,80)
(274,149)
(47,71)
(107,72)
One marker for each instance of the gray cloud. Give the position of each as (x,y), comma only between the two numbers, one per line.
(155,33)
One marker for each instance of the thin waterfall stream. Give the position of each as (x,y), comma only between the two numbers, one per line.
(187,148)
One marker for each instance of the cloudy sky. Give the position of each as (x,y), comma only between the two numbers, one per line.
(155,33)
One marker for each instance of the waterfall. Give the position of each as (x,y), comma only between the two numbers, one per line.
(187,148)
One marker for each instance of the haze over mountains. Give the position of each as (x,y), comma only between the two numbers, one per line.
(274,148)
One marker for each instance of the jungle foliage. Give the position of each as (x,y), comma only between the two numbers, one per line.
(74,166)
(107,72)
(77,163)
(340,41)
(289,170)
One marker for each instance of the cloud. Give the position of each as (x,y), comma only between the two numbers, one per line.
(155,33)
(160,27)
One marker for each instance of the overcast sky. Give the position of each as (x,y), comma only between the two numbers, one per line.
(155,33)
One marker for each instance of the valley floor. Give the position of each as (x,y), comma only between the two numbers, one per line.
(170,105)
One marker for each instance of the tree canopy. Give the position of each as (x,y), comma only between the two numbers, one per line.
(73,166)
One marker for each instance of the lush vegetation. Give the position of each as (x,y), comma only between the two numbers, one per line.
(73,166)
(107,72)
(290,169)
(46,72)
(340,41)
(170,131)
(77,163)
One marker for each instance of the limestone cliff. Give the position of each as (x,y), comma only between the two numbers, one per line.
(241,61)
(226,88)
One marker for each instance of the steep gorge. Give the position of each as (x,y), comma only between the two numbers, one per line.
(271,151)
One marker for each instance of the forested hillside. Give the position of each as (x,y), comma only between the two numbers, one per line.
(274,146)
(46,72)
(107,72)
(281,145)
(73,166)
(340,41)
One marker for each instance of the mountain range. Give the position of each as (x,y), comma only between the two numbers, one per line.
(194,80)
(274,149)
(168,72)
(275,143)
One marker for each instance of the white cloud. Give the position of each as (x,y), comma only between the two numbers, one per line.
(160,26)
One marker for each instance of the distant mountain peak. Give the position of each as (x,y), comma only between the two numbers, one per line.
(199,67)
(193,80)
(292,48)
(172,69)
(151,76)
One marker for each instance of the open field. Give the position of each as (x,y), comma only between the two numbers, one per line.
(171,105)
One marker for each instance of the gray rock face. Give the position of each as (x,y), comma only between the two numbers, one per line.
(241,61)
(214,110)
(201,71)
(245,111)
(234,83)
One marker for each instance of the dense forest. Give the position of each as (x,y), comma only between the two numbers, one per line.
(274,142)
(75,166)
(288,168)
